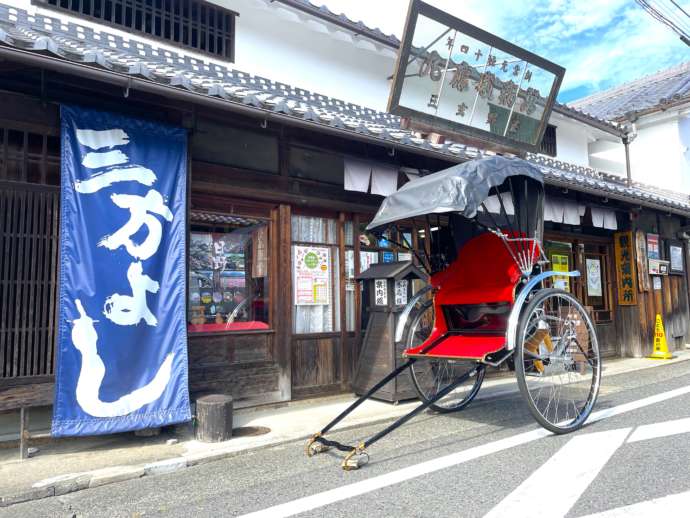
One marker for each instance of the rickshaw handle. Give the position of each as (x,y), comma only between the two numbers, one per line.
(514,318)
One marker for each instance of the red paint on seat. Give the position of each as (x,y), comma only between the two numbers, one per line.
(483,273)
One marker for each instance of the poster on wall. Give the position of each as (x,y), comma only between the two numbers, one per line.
(594,277)
(675,254)
(312,275)
(366,259)
(657,283)
(653,246)
(122,337)
(626,275)
(349,270)
(560,263)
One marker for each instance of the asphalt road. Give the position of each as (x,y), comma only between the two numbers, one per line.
(490,458)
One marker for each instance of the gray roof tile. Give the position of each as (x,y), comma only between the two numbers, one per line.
(72,42)
(647,94)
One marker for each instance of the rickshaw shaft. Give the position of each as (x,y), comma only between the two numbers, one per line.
(422,407)
(366,396)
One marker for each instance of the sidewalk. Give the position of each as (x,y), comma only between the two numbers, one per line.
(69,465)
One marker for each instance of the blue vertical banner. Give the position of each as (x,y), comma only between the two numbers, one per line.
(122,339)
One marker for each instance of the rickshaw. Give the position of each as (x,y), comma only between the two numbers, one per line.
(490,299)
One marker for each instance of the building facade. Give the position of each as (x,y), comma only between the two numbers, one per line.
(278,170)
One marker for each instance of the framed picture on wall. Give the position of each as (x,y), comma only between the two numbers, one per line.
(675,257)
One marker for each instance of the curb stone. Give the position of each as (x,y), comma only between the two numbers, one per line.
(73,484)
(165,466)
(104,476)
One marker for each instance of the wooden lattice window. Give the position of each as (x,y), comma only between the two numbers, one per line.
(548,143)
(189,23)
(29,219)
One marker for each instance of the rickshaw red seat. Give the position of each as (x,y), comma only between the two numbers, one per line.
(484,275)
(462,347)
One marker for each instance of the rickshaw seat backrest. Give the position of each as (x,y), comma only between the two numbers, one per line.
(483,272)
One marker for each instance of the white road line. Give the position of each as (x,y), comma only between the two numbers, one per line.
(555,487)
(667,507)
(338,494)
(653,431)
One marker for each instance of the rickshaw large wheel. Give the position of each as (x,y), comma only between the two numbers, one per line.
(557,360)
(430,376)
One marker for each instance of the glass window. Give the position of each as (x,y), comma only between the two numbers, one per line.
(316,165)
(228,276)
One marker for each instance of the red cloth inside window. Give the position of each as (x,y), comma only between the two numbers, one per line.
(233,326)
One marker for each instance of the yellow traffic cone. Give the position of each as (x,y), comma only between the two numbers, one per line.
(660,345)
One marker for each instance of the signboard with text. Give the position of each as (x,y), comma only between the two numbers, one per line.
(454,77)
(626,275)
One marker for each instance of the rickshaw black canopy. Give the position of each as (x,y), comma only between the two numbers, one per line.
(464,188)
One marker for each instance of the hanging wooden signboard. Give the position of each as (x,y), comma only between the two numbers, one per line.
(626,275)
(642,270)
(453,78)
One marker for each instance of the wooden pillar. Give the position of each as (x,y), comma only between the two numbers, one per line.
(283,295)
(344,346)
(358,293)
(23,433)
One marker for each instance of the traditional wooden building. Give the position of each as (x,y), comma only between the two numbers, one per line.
(279,176)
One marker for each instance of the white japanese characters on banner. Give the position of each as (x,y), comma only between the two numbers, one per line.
(401,292)
(381,287)
(122,344)
(312,275)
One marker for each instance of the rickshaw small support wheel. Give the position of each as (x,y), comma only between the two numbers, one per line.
(313,447)
(355,459)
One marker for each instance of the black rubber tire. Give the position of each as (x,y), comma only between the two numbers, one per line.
(537,299)
(409,342)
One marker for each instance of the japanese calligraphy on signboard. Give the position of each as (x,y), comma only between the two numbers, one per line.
(312,275)
(401,292)
(625,269)
(381,294)
(456,77)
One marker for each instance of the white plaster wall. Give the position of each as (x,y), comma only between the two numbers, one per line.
(571,140)
(281,44)
(656,156)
